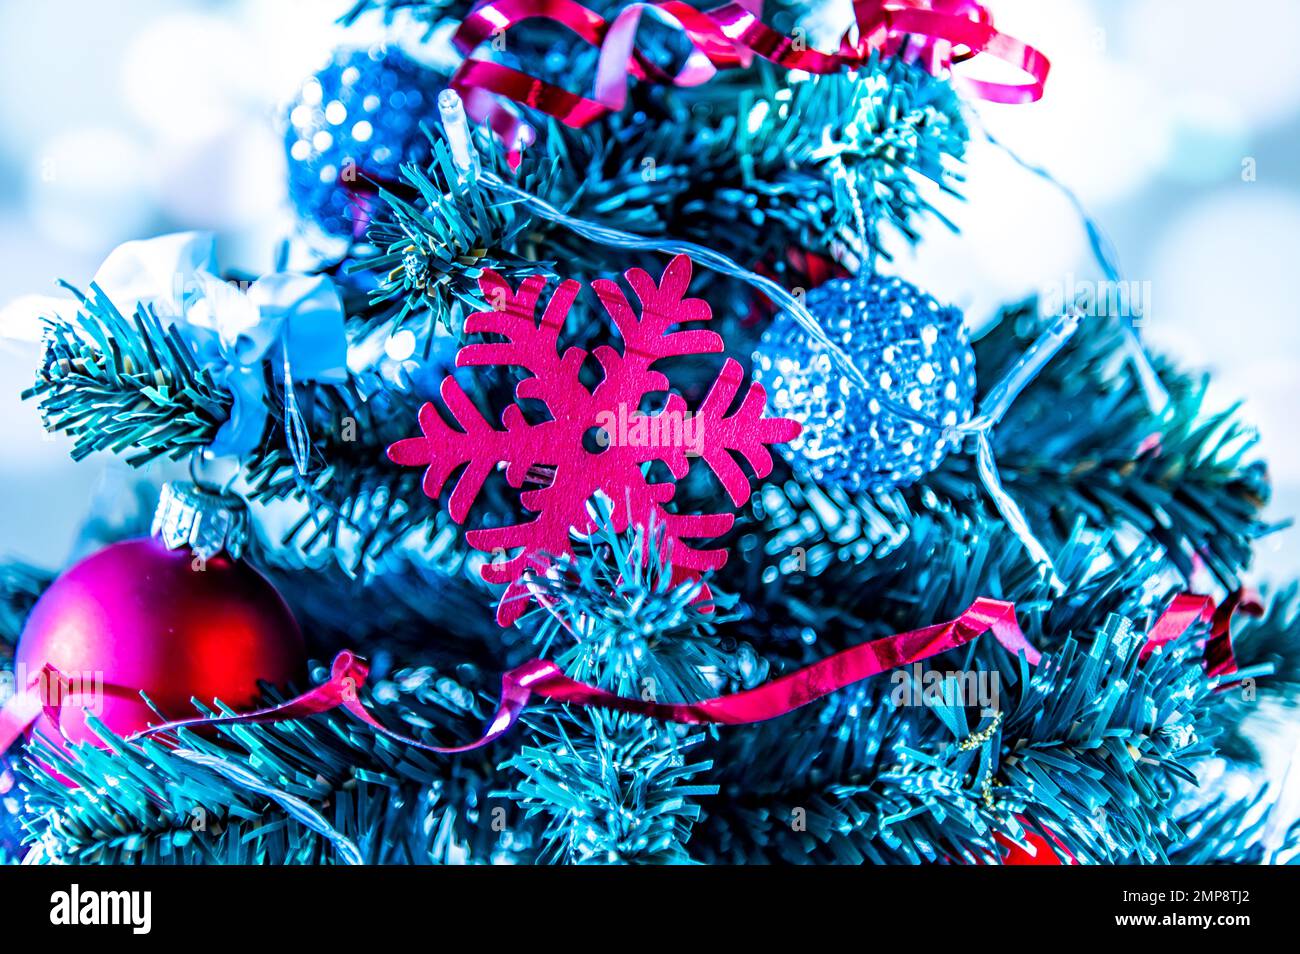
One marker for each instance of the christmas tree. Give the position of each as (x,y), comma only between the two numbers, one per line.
(591,366)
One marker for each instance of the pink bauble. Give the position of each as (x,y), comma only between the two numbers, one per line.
(137,616)
(1042,851)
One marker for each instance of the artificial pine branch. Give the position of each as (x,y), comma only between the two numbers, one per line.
(751,179)
(829,784)
(1087,729)
(614,789)
(617,788)
(1101,744)
(435,248)
(858,779)
(356,505)
(1092,747)
(126,386)
(397,804)
(21,585)
(136,388)
(1225,831)
(1081,441)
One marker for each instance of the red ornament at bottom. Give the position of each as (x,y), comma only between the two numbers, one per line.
(137,616)
(1042,853)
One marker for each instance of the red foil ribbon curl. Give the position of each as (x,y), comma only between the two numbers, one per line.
(768,701)
(1188,609)
(771,700)
(939,33)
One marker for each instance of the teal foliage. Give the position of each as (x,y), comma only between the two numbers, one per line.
(126,386)
(616,788)
(396,804)
(1094,747)
(753,175)
(21,585)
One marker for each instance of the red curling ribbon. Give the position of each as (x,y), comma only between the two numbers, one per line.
(18,715)
(768,701)
(939,33)
(944,25)
(543,677)
(47,691)
(771,700)
(1187,610)
(1220,660)
(1183,613)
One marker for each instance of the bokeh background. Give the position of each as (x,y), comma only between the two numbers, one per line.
(1176,121)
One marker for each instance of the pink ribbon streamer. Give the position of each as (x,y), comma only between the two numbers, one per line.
(1187,609)
(939,33)
(544,678)
(769,701)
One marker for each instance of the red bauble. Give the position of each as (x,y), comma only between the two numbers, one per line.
(1042,851)
(142,617)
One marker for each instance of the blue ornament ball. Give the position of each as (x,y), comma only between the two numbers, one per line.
(353,124)
(912,349)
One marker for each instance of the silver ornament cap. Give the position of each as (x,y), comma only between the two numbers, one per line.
(202,520)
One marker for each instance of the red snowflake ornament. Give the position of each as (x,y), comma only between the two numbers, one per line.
(553,453)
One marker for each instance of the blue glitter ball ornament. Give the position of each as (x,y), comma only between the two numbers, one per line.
(352,125)
(913,351)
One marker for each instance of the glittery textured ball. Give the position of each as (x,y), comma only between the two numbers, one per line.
(354,124)
(914,351)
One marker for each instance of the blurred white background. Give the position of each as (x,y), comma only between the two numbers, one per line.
(136,118)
